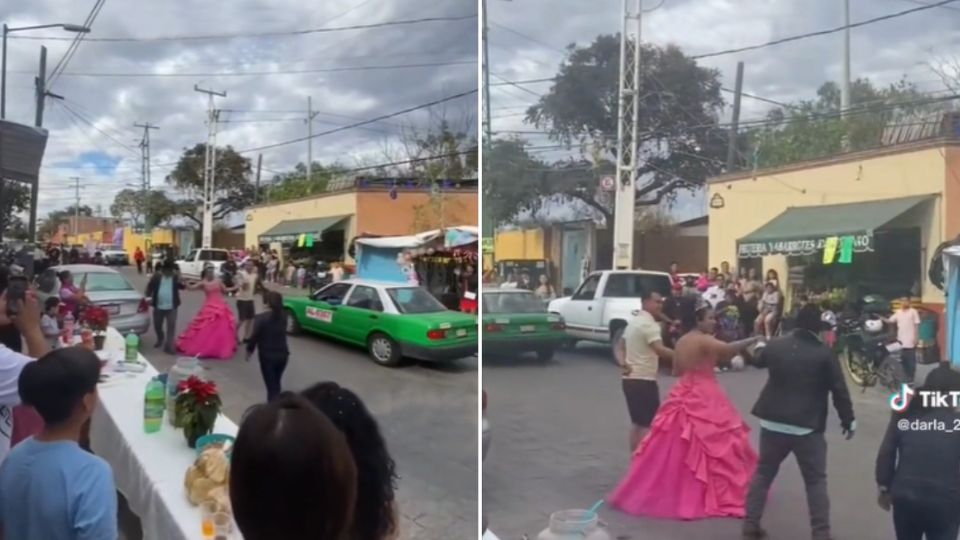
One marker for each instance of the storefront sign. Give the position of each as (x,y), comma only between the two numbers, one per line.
(751,250)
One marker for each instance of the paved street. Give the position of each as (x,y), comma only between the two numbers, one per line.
(428,415)
(559,441)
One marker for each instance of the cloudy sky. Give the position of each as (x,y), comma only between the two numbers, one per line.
(375,72)
(527,38)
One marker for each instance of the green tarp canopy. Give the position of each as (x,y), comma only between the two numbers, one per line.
(290,230)
(804,230)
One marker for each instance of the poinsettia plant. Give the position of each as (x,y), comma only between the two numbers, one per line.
(197,407)
(96,318)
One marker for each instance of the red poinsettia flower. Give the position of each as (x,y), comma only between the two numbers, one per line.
(96,318)
(203,391)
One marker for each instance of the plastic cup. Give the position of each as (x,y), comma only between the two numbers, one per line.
(223,525)
(208,526)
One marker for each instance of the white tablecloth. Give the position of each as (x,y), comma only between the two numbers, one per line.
(149,468)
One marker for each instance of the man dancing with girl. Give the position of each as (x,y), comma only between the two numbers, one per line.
(697,461)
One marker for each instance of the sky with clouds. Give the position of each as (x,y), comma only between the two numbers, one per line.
(351,76)
(527,38)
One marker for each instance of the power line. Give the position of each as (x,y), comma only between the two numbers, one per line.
(92,125)
(527,81)
(72,50)
(274,72)
(919,3)
(511,83)
(241,35)
(528,38)
(829,31)
(362,123)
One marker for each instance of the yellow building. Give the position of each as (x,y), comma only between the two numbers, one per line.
(897,204)
(374,207)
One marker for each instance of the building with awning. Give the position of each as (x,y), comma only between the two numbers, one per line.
(352,207)
(870,219)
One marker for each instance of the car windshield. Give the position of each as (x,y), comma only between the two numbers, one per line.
(413,300)
(106,281)
(629,285)
(518,302)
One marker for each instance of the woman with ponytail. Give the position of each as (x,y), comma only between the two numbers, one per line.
(696,462)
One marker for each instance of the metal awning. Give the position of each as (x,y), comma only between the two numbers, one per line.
(290,230)
(21,151)
(804,230)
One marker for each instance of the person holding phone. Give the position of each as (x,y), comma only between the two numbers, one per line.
(71,295)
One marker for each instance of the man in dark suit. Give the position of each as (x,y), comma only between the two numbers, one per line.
(792,408)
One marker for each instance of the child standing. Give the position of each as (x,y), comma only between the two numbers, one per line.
(301,275)
(49,324)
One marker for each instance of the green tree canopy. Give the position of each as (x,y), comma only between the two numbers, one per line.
(233,190)
(49,226)
(679,147)
(14,198)
(148,209)
(815,128)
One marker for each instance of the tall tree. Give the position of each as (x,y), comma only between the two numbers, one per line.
(513,180)
(14,198)
(233,190)
(148,209)
(295,184)
(815,128)
(680,145)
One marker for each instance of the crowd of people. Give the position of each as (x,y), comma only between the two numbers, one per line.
(307,465)
(692,456)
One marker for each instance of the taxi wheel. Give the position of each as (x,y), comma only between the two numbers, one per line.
(384,350)
(293,326)
(546,354)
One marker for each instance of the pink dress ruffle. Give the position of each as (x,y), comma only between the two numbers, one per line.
(697,460)
(212,335)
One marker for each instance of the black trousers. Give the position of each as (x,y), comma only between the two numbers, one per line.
(272,367)
(139,267)
(908,357)
(919,519)
(811,453)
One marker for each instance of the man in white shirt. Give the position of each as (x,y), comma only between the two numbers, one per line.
(638,353)
(908,334)
(12,362)
(246,308)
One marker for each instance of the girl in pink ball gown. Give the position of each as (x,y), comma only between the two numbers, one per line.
(696,462)
(212,335)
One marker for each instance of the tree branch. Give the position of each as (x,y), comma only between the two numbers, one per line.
(666,190)
(592,203)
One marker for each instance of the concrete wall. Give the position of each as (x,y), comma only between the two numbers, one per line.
(413,211)
(750,202)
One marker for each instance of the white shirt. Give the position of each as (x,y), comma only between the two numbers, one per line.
(245,281)
(641,333)
(336,273)
(714,295)
(11,364)
(906,321)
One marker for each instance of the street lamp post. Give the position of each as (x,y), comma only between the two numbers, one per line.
(3,68)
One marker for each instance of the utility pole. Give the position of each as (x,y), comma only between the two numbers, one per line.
(845,89)
(145,153)
(209,165)
(735,124)
(486,77)
(76,207)
(256,193)
(628,146)
(310,117)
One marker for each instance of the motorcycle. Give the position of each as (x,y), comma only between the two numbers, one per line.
(319,278)
(872,355)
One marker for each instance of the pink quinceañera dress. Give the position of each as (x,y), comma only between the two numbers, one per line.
(212,334)
(696,462)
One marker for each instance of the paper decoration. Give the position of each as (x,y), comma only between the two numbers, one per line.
(301,240)
(309,240)
(830,249)
(846,250)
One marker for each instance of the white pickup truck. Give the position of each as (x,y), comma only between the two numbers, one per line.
(601,306)
(193,264)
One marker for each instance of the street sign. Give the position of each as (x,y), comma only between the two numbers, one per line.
(608,183)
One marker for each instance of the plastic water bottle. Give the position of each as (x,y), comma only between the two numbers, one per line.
(68,323)
(132,353)
(153,405)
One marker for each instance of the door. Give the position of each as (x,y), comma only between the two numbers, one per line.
(583,313)
(575,258)
(360,313)
(322,314)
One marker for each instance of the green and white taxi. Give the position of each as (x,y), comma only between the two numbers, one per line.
(393,321)
(515,321)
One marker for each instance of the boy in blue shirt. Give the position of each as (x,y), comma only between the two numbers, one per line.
(50,488)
